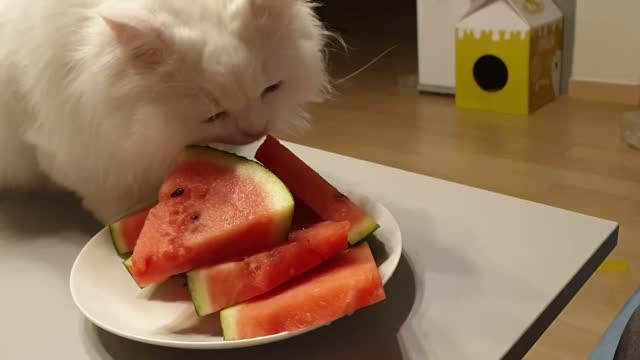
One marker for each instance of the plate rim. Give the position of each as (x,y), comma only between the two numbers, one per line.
(219,345)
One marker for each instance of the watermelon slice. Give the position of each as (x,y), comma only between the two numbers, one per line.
(337,288)
(220,286)
(309,186)
(215,206)
(125,231)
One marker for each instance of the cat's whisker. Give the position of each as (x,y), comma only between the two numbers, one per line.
(371,63)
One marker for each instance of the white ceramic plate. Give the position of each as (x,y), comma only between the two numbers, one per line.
(163,315)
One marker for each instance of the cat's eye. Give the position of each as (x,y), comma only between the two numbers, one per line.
(216,117)
(272,88)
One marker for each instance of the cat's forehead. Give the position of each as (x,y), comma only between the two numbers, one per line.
(240,68)
(233,55)
(231,73)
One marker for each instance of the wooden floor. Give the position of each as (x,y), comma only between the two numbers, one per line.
(568,155)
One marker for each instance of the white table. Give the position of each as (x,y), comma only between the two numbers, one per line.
(482,276)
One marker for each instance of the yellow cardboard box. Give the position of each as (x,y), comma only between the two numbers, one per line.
(509,55)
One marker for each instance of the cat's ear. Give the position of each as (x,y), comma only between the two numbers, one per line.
(138,34)
(262,9)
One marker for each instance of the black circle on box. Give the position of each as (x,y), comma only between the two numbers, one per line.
(491,73)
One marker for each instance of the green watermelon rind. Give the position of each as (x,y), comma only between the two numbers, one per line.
(196,282)
(118,242)
(362,230)
(127,265)
(228,322)
(123,250)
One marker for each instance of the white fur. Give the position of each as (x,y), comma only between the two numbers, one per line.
(99,96)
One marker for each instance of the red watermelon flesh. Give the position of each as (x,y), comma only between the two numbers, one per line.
(125,231)
(214,207)
(316,192)
(220,286)
(337,288)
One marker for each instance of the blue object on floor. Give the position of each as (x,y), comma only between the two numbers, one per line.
(607,347)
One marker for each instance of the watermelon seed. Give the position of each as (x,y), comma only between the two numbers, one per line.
(195,217)
(177,193)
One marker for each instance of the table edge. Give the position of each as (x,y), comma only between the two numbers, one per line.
(534,332)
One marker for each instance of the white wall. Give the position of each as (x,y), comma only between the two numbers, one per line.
(607,41)
(568,8)
(436,42)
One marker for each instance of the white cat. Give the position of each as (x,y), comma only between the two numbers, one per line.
(98,96)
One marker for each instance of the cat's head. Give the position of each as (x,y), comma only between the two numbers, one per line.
(225,71)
